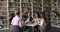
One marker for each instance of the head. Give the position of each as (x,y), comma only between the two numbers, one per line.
(24,10)
(18,13)
(12,15)
(37,15)
(29,13)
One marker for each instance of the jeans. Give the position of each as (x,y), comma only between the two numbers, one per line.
(16,29)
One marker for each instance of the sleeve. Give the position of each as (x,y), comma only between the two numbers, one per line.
(33,20)
(20,23)
(12,22)
(42,21)
(27,20)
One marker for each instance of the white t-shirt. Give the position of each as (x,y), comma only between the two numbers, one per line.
(39,21)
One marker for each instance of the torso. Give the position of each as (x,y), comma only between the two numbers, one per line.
(37,20)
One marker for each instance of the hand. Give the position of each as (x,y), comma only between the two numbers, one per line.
(29,22)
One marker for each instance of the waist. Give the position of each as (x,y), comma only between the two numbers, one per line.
(15,26)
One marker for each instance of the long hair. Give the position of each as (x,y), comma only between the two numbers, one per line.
(44,16)
(38,15)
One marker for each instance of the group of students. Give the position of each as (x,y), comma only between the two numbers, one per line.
(17,24)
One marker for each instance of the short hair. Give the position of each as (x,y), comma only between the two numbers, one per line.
(18,13)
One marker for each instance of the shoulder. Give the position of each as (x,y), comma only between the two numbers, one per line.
(16,18)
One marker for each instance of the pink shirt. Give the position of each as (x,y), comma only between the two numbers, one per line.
(16,21)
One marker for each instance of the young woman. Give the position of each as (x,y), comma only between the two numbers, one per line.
(36,20)
(40,21)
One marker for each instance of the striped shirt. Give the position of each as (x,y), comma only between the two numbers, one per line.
(16,21)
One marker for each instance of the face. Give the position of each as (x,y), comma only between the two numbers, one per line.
(28,13)
(36,15)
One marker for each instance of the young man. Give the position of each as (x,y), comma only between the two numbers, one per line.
(16,23)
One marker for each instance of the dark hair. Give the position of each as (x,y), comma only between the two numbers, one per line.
(39,16)
(44,16)
(18,13)
(12,15)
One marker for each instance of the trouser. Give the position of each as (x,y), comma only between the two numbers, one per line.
(16,29)
(28,28)
(47,28)
(36,28)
